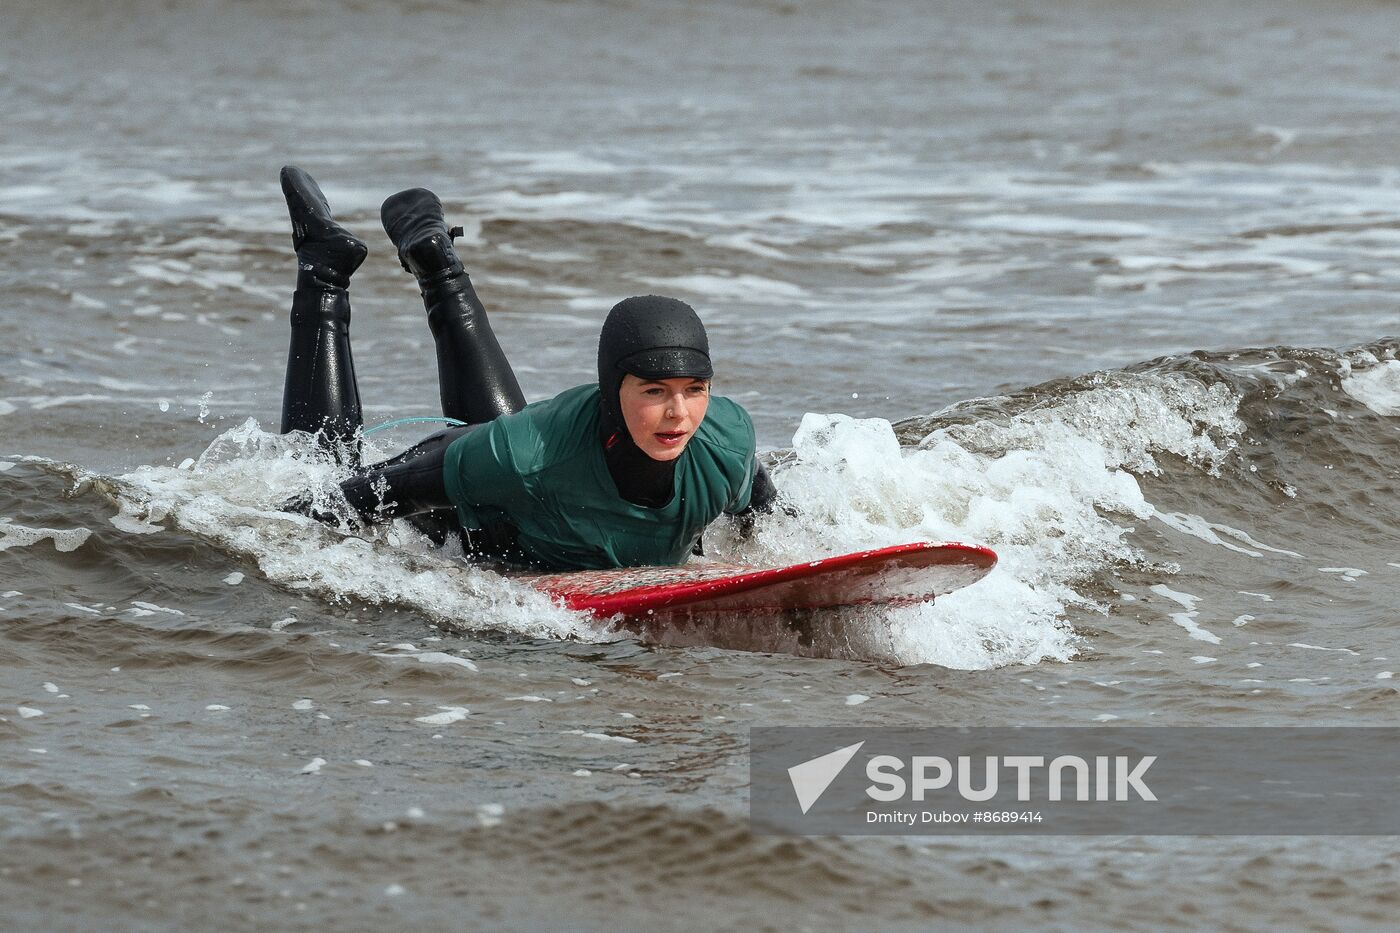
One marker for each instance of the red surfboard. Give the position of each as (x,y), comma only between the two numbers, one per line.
(898,575)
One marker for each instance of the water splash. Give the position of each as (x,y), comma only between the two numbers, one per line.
(231,496)
(1051,487)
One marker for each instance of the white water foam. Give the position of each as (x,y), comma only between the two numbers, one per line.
(1040,224)
(1048,489)
(1210,532)
(733,288)
(16,535)
(1187,619)
(231,496)
(1378,388)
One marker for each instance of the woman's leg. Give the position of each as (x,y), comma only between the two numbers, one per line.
(320,395)
(474,378)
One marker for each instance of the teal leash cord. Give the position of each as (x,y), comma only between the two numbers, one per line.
(398,421)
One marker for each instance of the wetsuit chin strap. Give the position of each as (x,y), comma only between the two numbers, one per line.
(639,479)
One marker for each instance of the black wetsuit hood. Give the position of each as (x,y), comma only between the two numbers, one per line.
(655,338)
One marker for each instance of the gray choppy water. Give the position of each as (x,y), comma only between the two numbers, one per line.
(1028,256)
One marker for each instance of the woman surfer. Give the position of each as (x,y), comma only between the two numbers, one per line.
(624,473)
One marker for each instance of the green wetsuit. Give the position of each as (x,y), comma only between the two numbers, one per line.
(541,471)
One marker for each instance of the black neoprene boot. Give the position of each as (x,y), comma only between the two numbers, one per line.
(475,381)
(324,248)
(320,394)
(417,228)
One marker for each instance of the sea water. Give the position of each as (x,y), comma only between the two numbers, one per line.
(1106,288)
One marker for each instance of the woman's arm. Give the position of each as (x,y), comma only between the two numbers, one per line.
(762,498)
(764,493)
(408,484)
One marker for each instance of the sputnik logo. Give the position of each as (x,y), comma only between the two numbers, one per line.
(811,778)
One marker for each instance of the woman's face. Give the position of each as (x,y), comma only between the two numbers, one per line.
(663,414)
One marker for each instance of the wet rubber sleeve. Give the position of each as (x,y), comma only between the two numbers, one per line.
(764,493)
(408,484)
